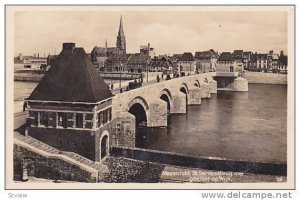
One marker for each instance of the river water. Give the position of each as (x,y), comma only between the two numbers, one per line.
(239,125)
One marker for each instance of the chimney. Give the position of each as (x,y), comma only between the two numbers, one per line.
(68,46)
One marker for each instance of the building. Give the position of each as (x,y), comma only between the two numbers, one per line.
(275,63)
(138,62)
(283,63)
(70,109)
(226,64)
(147,50)
(111,58)
(206,60)
(238,55)
(262,61)
(247,59)
(162,64)
(116,62)
(186,64)
(176,57)
(253,62)
(34,62)
(100,54)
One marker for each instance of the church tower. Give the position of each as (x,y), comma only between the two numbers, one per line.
(121,43)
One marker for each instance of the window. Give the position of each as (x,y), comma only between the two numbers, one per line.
(75,144)
(109,114)
(44,118)
(100,119)
(60,142)
(62,119)
(104,117)
(79,120)
(82,143)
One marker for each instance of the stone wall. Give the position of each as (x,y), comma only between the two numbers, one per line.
(266,78)
(238,84)
(82,142)
(123,130)
(50,167)
(210,163)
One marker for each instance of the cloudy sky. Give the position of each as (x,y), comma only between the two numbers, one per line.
(168,31)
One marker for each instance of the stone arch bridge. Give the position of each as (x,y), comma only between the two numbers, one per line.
(150,106)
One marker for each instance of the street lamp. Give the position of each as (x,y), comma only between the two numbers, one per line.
(147,69)
(120,65)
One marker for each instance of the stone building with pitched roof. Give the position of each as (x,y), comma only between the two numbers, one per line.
(70,109)
(186,64)
(206,60)
(227,63)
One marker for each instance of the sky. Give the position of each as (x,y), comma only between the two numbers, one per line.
(168,31)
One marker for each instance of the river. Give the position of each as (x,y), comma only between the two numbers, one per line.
(248,126)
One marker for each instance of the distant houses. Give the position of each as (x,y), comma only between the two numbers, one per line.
(206,60)
(186,64)
(229,64)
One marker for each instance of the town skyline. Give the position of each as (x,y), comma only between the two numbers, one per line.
(221,31)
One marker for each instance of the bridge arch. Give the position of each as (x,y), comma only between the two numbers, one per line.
(138,107)
(184,89)
(166,96)
(140,100)
(197,83)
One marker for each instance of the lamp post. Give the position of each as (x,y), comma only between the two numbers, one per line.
(120,64)
(147,69)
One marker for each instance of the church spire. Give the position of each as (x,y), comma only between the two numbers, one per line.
(121,43)
(121,31)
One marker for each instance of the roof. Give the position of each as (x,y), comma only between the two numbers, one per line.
(247,53)
(161,61)
(72,78)
(203,55)
(225,56)
(103,49)
(262,56)
(138,59)
(187,56)
(177,56)
(283,60)
(237,54)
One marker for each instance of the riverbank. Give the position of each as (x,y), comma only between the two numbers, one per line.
(124,170)
(266,78)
